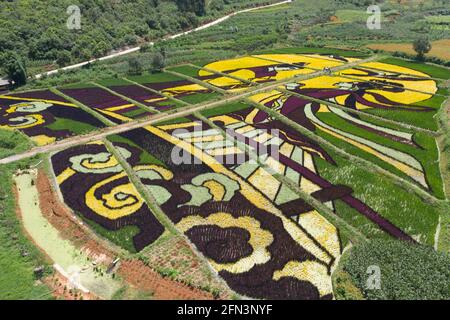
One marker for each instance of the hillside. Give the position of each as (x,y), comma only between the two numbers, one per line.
(37,30)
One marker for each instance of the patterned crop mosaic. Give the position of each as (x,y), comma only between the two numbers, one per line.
(44,116)
(250,219)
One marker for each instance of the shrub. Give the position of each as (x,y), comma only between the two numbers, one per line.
(421,46)
(408,271)
(134,66)
(158,62)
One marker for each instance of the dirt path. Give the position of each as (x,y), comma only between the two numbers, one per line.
(103,133)
(135,49)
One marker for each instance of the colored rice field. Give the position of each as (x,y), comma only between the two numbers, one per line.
(45,117)
(274,228)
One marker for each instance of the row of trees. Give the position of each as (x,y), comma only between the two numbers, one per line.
(158,63)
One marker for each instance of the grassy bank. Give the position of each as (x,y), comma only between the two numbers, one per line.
(18,256)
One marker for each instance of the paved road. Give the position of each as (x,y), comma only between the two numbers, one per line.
(134,49)
(103,133)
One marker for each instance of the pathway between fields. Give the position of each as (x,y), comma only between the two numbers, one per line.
(134,49)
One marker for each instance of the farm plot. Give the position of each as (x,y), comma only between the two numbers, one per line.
(146,97)
(94,185)
(267,67)
(184,90)
(44,116)
(408,152)
(109,105)
(214,80)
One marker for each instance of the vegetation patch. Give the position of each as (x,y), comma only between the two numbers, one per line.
(407,271)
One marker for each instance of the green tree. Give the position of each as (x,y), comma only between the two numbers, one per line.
(134,66)
(63,58)
(196,6)
(100,49)
(422,46)
(158,62)
(15,69)
(146,47)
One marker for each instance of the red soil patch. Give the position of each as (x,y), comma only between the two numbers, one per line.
(139,275)
(176,254)
(63,290)
(334,19)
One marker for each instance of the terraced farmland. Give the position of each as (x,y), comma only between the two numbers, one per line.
(269,165)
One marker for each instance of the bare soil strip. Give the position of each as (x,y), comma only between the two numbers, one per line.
(70,260)
(136,273)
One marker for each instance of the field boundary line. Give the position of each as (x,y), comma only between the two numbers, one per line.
(358,112)
(332,217)
(199,82)
(405,184)
(84,107)
(136,103)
